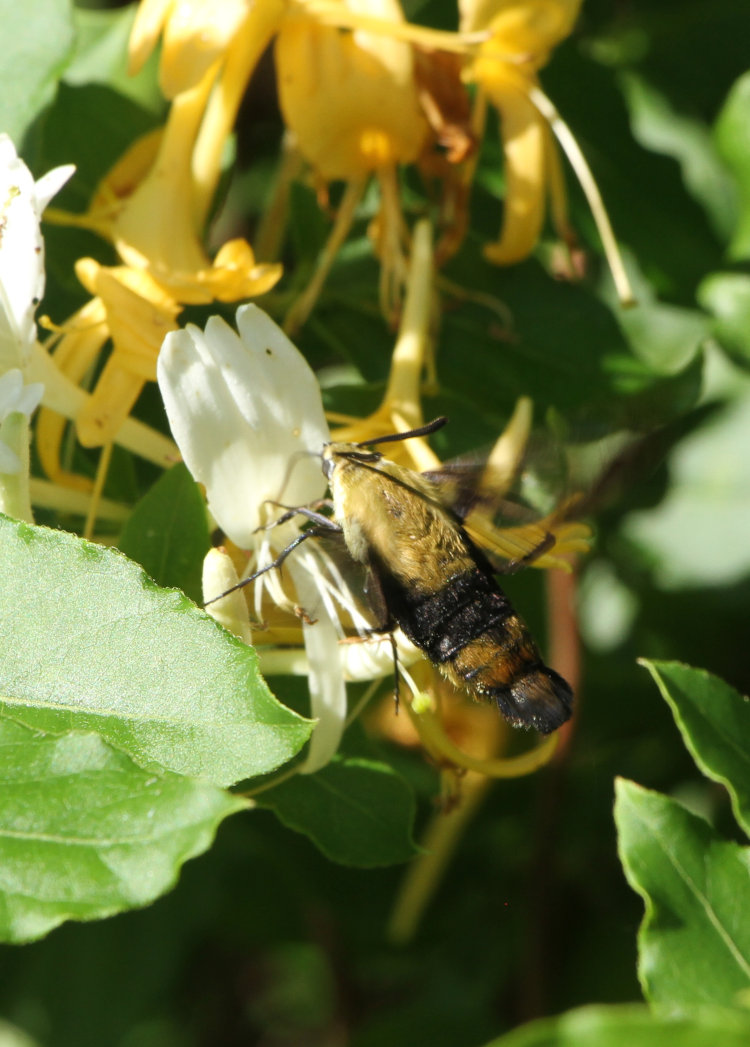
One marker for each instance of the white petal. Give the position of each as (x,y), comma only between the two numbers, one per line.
(10,463)
(227,403)
(21,251)
(51,183)
(212,434)
(11,391)
(325,679)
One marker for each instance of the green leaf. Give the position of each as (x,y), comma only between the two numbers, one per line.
(692,536)
(91,643)
(733,141)
(628,1026)
(37,40)
(167,533)
(101,55)
(714,721)
(11,1036)
(659,126)
(358,812)
(85,833)
(727,296)
(694,942)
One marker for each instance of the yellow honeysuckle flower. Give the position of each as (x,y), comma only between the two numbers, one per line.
(132,309)
(146,206)
(195,34)
(352,103)
(522,35)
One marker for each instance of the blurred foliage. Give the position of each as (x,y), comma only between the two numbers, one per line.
(264,940)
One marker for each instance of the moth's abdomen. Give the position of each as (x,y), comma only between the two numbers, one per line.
(469,629)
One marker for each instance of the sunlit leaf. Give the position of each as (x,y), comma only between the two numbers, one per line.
(714,720)
(85,833)
(626,1026)
(41,35)
(90,642)
(694,942)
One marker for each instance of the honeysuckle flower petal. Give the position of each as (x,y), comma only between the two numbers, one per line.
(350,98)
(17,401)
(521,36)
(325,679)
(195,34)
(16,396)
(246,411)
(22,201)
(226,604)
(401,408)
(138,315)
(271,414)
(524,31)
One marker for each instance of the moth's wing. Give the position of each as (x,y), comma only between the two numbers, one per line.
(509,532)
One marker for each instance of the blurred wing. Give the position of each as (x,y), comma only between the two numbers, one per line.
(510,533)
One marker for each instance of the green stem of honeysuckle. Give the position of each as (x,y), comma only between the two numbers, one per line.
(303,306)
(579,164)
(15,498)
(269,236)
(436,741)
(423,875)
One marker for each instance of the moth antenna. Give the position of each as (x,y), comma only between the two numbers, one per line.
(423,430)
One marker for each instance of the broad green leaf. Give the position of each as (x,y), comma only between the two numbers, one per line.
(101,55)
(358,812)
(628,1026)
(167,533)
(695,535)
(694,942)
(727,297)
(11,1036)
(733,140)
(714,721)
(657,125)
(85,833)
(90,643)
(37,41)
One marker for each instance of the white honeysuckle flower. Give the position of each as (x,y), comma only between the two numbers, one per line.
(246,412)
(15,398)
(22,200)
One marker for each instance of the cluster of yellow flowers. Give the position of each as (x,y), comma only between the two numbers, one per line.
(362,92)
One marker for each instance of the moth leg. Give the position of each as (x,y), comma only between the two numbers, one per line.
(386,625)
(313,532)
(302,510)
(523,561)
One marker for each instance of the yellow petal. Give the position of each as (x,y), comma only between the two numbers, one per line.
(353,108)
(110,404)
(525,142)
(528,28)
(150,17)
(195,35)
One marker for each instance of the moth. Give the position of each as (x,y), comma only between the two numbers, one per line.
(427,576)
